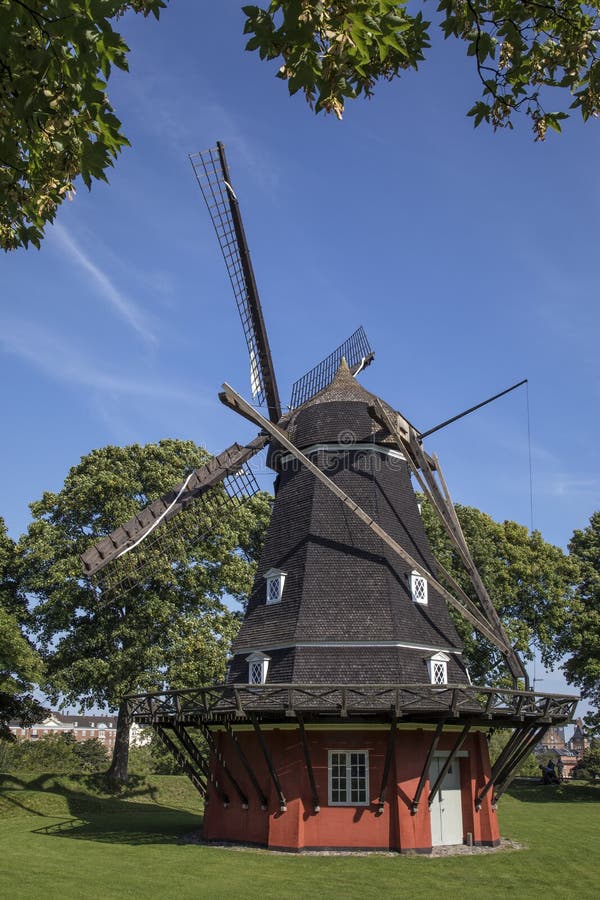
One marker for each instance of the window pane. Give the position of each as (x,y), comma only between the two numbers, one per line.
(349,776)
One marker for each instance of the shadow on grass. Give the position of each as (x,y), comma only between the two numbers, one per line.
(566,792)
(97,816)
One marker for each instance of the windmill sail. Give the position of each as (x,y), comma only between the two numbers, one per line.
(357,352)
(224,478)
(210,167)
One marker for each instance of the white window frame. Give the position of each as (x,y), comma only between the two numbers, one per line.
(438,669)
(258,666)
(347,777)
(418,588)
(275,580)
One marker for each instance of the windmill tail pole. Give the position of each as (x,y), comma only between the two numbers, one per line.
(461,415)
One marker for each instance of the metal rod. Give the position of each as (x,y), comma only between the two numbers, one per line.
(461,415)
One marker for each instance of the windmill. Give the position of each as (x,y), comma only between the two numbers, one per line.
(347,702)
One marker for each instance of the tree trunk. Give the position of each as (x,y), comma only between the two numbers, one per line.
(117,773)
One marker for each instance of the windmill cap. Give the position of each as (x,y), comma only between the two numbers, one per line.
(339,413)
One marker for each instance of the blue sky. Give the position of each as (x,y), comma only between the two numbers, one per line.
(471,259)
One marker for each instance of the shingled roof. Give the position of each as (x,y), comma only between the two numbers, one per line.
(346,613)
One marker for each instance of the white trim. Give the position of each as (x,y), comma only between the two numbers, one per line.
(403,644)
(444,754)
(347,778)
(375,448)
(256,660)
(440,660)
(274,577)
(417,579)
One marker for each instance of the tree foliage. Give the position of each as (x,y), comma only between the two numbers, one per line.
(153,758)
(57,753)
(530,582)
(20,665)
(581,637)
(333,52)
(56,121)
(172,627)
(589,765)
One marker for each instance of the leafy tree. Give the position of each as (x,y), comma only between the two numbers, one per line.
(581,637)
(589,765)
(51,753)
(56,753)
(172,626)
(497,742)
(56,121)
(333,52)
(530,582)
(20,665)
(152,759)
(89,756)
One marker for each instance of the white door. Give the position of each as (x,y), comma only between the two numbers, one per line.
(446,809)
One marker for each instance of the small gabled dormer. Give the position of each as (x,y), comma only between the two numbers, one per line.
(275,580)
(258,666)
(438,668)
(418,588)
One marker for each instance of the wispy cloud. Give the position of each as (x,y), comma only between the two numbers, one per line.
(162,109)
(56,357)
(126,308)
(567,485)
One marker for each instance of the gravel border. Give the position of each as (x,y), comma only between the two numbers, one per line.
(455,850)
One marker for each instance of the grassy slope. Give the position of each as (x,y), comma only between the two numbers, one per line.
(63,835)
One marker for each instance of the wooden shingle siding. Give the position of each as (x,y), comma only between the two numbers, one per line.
(343,584)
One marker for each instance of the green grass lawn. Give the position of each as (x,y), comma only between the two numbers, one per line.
(65,838)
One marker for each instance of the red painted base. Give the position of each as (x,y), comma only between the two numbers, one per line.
(299,827)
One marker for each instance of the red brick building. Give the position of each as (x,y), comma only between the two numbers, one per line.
(83,728)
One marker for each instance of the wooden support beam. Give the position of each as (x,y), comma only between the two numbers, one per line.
(521,742)
(438,783)
(249,770)
(223,764)
(191,748)
(389,755)
(425,773)
(517,737)
(181,760)
(309,767)
(233,400)
(509,773)
(270,766)
(442,504)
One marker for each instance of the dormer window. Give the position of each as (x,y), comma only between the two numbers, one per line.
(418,587)
(258,666)
(275,579)
(438,668)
